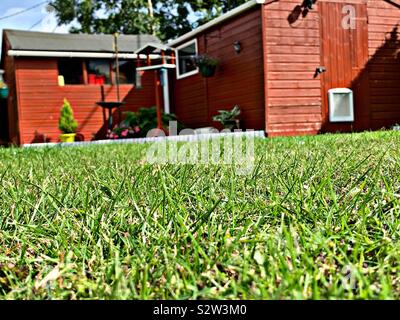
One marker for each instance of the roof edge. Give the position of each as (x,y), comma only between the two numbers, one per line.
(76,54)
(226,16)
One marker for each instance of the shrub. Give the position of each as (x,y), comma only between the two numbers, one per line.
(228,117)
(67,123)
(123,131)
(138,124)
(145,119)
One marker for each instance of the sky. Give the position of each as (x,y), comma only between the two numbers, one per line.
(37,19)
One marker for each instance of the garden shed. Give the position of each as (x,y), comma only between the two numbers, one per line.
(280,59)
(42,69)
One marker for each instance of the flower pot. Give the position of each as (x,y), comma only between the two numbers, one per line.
(100,80)
(232,124)
(67,137)
(207,71)
(91,78)
(4,93)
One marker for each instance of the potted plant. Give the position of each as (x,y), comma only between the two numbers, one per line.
(67,124)
(206,64)
(145,119)
(228,118)
(3,87)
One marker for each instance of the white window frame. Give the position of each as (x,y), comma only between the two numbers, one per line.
(187,74)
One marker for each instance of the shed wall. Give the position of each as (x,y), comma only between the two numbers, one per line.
(239,78)
(10,112)
(293,51)
(40,99)
(384,63)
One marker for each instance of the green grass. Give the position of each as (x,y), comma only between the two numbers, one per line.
(314,213)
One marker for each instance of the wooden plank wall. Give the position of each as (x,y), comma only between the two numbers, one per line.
(12,112)
(292,52)
(239,79)
(384,62)
(40,99)
(344,54)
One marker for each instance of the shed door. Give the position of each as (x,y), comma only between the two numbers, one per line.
(344,53)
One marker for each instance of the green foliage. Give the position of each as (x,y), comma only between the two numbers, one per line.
(146,119)
(206,60)
(66,122)
(228,117)
(138,124)
(166,19)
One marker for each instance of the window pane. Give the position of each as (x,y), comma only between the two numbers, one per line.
(185,59)
(127,71)
(98,71)
(71,70)
(341,105)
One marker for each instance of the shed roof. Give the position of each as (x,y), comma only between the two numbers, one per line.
(43,41)
(149,48)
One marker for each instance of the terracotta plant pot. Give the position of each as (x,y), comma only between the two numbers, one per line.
(67,137)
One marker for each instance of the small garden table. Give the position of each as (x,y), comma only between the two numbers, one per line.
(110,106)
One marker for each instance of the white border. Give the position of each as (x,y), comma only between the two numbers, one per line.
(65,54)
(332,117)
(191,73)
(183,138)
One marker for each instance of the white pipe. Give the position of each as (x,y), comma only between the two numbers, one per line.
(64,54)
(166,91)
(157,66)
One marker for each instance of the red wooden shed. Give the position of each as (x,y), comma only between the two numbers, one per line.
(42,69)
(292,67)
(289,57)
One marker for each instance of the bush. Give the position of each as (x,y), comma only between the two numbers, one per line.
(67,123)
(228,117)
(138,124)
(145,119)
(123,132)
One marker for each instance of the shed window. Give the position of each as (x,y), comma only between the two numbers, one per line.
(185,57)
(71,70)
(98,71)
(127,71)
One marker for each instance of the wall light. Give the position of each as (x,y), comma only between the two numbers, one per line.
(237,46)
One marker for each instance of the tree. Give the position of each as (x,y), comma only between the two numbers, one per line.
(167,19)
(67,123)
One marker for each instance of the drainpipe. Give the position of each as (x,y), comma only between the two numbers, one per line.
(165,83)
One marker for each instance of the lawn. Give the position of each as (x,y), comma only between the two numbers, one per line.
(318,218)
